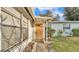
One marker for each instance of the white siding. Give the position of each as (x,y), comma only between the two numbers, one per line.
(59,26)
(74,25)
(30,32)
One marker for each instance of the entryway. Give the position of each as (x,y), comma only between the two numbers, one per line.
(39,31)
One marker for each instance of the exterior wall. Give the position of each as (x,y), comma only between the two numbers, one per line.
(59,26)
(0,28)
(22,46)
(24,42)
(30,32)
(13,11)
(75,25)
(34,33)
(44,32)
(45,36)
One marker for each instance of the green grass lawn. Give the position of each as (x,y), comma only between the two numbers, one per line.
(65,44)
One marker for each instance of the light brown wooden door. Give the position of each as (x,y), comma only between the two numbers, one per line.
(39,32)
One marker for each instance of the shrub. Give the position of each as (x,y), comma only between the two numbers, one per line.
(50,31)
(59,34)
(75,31)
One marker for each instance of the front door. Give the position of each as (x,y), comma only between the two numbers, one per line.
(39,32)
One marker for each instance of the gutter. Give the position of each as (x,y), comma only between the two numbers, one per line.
(26,8)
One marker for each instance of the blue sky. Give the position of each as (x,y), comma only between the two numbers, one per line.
(55,11)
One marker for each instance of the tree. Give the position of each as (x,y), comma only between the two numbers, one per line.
(72,13)
(48,14)
(57,17)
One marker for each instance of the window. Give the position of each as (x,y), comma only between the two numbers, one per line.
(12,29)
(66,26)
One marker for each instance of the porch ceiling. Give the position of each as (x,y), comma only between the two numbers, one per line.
(42,19)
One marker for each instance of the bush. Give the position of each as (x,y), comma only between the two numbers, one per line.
(60,33)
(75,31)
(50,31)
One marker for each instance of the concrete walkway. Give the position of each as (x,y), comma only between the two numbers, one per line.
(43,47)
(40,47)
(48,44)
